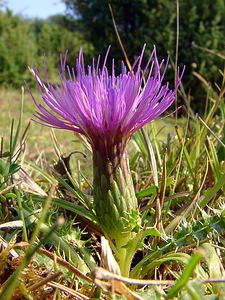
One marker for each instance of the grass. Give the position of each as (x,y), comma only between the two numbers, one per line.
(52,244)
(39,136)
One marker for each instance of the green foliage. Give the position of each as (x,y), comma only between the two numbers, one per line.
(24,42)
(53,39)
(16,49)
(202,23)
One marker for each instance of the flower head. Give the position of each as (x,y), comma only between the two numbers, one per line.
(105,106)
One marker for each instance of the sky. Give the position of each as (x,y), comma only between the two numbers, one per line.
(36,8)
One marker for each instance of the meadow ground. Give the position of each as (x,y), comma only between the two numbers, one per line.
(49,233)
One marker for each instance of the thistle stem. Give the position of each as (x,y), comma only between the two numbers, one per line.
(125,256)
(114,196)
(114,200)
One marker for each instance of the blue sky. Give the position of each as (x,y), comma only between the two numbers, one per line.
(36,8)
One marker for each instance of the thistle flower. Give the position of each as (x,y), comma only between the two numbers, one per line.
(107,109)
(99,105)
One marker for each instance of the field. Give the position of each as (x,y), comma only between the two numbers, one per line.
(180,250)
(54,246)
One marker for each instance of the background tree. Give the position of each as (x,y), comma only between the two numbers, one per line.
(202,23)
(135,23)
(25,41)
(16,48)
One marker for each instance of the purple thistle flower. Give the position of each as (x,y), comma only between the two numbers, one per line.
(107,110)
(103,106)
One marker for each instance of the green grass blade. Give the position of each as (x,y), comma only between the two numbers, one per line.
(19,125)
(20,208)
(186,275)
(81,211)
(75,190)
(186,154)
(212,192)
